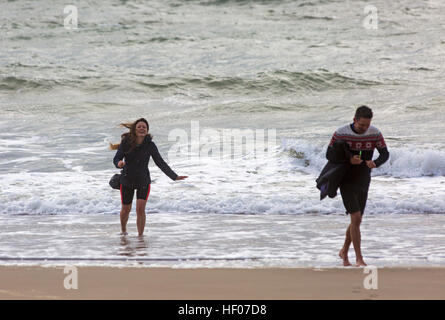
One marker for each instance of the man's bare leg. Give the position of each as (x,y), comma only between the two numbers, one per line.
(356,219)
(344,251)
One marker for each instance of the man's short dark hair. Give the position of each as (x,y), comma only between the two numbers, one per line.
(363,112)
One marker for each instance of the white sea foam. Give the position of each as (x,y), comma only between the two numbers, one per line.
(283,183)
(408,163)
(403,162)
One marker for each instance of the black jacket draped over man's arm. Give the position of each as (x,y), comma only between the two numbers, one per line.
(332,174)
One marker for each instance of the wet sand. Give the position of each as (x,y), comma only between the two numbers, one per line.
(34,282)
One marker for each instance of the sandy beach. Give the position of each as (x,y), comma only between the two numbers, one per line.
(34,282)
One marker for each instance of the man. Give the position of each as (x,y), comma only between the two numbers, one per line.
(362,139)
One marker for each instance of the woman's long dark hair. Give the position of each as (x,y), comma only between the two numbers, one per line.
(131,135)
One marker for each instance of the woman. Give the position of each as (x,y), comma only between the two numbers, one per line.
(133,154)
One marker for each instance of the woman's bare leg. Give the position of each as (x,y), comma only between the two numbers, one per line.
(125,212)
(140,212)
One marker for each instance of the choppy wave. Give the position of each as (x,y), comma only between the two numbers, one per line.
(238,2)
(317,18)
(403,162)
(408,163)
(280,81)
(281,183)
(17,83)
(47,194)
(182,61)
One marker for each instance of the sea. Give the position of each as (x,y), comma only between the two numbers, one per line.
(243,98)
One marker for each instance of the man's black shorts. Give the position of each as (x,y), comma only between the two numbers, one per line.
(354,197)
(127,194)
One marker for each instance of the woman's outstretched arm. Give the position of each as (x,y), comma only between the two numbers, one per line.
(159,161)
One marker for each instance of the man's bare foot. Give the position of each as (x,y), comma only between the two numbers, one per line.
(360,263)
(344,257)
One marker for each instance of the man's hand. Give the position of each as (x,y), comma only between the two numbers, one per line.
(121,164)
(356,160)
(370,164)
(181,177)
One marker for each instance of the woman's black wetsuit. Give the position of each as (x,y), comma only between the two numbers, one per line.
(135,173)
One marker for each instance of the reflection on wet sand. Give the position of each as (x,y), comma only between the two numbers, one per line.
(131,247)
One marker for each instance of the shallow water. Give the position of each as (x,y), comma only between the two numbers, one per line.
(220,240)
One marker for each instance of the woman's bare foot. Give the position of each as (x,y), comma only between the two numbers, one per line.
(344,257)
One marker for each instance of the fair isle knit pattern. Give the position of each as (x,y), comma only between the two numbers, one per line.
(367,141)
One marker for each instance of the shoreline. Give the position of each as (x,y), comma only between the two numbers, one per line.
(351,283)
